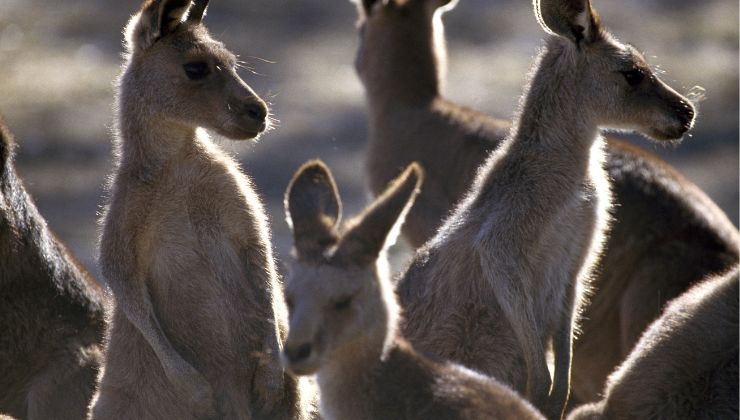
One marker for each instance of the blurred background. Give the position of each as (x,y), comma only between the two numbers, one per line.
(58,60)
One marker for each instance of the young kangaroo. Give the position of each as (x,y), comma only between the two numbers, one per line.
(685,366)
(666,233)
(199,316)
(344,316)
(51,311)
(503,278)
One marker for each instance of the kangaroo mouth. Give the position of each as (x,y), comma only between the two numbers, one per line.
(302,368)
(245,131)
(667,135)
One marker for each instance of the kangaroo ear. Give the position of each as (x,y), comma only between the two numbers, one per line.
(197,11)
(572,19)
(156,19)
(379,225)
(313,210)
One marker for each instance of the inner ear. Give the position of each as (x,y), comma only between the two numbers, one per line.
(197,11)
(572,19)
(313,209)
(171,13)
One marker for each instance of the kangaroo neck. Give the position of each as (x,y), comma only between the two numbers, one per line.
(147,143)
(554,137)
(346,379)
(555,124)
(409,73)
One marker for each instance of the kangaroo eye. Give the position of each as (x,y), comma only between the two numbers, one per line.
(196,70)
(343,303)
(634,77)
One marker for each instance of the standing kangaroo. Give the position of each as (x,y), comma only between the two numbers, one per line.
(344,316)
(504,277)
(199,316)
(685,366)
(51,311)
(666,233)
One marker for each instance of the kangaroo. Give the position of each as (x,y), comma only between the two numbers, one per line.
(199,315)
(666,234)
(685,366)
(344,316)
(52,317)
(504,277)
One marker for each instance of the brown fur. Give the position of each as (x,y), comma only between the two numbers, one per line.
(51,311)
(666,233)
(199,316)
(685,366)
(343,316)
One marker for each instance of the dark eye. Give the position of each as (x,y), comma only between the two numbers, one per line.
(196,70)
(634,77)
(343,303)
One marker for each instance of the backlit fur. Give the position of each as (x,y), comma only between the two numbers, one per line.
(401,61)
(199,317)
(504,277)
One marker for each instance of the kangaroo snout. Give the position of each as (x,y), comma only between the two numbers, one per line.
(248,118)
(297,354)
(685,114)
(300,359)
(256,111)
(253,109)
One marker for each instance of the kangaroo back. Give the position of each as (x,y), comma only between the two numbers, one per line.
(52,315)
(689,354)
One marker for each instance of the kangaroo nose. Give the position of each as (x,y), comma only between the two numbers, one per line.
(298,354)
(256,111)
(685,114)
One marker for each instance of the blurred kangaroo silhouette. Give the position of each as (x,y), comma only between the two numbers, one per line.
(199,318)
(52,316)
(666,233)
(344,315)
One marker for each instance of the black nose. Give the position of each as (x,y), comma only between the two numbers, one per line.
(256,111)
(298,354)
(685,113)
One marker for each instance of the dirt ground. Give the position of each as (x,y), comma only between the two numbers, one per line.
(58,61)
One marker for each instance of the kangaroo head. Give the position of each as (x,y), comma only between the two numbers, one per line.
(340,305)
(399,38)
(176,73)
(611,80)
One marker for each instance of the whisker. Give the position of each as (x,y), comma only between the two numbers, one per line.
(264,60)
